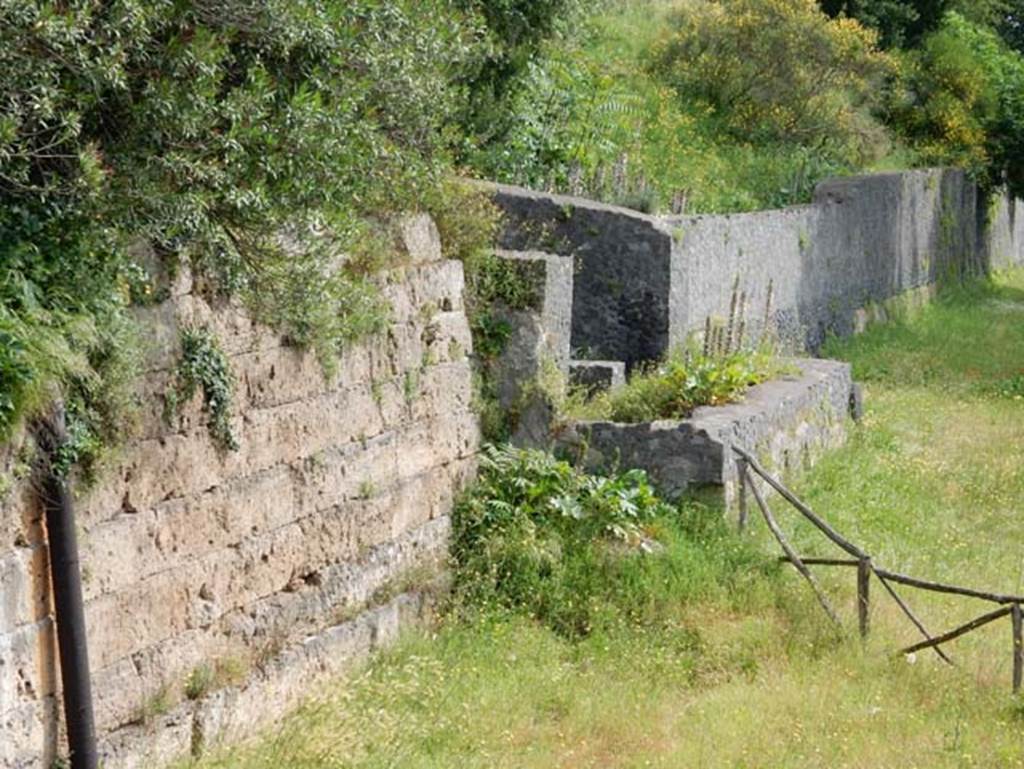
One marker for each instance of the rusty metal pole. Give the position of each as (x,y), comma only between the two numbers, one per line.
(69,610)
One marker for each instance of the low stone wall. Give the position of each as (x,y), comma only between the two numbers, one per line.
(644,284)
(270,567)
(787,423)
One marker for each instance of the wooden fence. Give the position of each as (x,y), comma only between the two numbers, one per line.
(1009,605)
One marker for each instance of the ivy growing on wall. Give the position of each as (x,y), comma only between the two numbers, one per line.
(204,367)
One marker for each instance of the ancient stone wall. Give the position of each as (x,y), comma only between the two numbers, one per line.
(241,579)
(621,286)
(863,243)
(645,284)
(222,587)
(788,423)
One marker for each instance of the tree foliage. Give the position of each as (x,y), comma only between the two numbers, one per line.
(898,22)
(513,36)
(258,140)
(779,70)
(904,23)
(963,102)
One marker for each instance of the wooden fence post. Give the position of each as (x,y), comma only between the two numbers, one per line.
(1018,648)
(741,469)
(864,596)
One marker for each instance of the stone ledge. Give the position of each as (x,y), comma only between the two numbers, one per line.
(597,375)
(788,423)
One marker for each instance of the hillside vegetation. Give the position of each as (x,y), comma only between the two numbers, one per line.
(138,137)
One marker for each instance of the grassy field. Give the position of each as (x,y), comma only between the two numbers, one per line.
(742,670)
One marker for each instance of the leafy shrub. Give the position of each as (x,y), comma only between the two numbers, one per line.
(780,70)
(961,102)
(80,335)
(578,551)
(204,366)
(903,23)
(898,22)
(675,388)
(531,521)
(260,142)
(571,115)
(514,34)
(948,101)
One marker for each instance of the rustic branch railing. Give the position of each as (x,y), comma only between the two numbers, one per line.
(1010,605)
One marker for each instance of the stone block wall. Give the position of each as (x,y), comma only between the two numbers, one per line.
(268,568)
(621,288)
(863,243)
(788,423)
(538,337)
(645,284)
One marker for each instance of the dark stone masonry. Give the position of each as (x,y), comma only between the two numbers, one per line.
(866,245)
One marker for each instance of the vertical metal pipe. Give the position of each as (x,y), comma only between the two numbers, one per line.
(69,611)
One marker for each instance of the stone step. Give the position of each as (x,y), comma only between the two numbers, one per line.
(597,375)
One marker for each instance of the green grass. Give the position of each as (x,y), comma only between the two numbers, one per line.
(742,671)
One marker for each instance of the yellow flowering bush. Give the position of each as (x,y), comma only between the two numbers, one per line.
(780,70)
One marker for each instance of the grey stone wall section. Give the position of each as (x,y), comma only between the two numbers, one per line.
(555,291)
(787,423)
(308,547)
(864,241)
(597,375)
(647,284)
(621,259)
(539,337)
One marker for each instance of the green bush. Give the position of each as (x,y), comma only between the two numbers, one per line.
(962,102)
(514,33)
(898,22)
(258,142)
(780,71)
(673,389)
(579,552)
(903,23)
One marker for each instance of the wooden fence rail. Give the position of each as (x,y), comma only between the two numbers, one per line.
(1010,605)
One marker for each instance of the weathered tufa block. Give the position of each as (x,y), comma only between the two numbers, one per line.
(597,375)
(550,280)
(421,239)
(787,423)
(538,338)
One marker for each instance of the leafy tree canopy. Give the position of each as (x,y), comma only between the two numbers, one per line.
(223,133)
(903,23)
